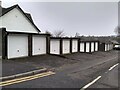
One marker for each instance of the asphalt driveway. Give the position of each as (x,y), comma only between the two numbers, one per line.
(21,65)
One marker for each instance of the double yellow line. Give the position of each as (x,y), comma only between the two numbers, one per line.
(23,79)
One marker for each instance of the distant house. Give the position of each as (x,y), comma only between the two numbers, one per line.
(20,37)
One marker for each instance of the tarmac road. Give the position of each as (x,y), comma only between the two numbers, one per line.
(76,75)
(108,80)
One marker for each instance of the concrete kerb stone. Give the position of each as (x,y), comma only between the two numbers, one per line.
(23,74)
(40,71)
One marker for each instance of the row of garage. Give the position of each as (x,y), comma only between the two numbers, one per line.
(71,45)
(63,45)
(17,44)
(106,46)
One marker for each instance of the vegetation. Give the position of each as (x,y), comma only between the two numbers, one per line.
(56,33)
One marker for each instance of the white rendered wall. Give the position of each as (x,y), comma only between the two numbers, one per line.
(92,46)
(82,45)
(39,44)
(66,46)
(17,22)
(74,45)
(55,46)
(96,46)
(87,47)
(17,46)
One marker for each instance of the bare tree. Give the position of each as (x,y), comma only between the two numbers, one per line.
(59,33)
(117,30)
(77,34)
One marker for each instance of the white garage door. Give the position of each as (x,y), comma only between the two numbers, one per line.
(55,46)
(106,47)
(39,45)
(82,47)
(87,47)
(74,45)
(92,46)
(96,46)
(66,46)
(17,46)
(111,46)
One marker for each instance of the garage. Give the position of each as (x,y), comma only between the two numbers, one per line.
(38,44)
(54,46)
(111,46)
(74,45)
(65,46)
(92,46)
(82,46)
(106,47)
(96,46)
(88,47)
(17,45)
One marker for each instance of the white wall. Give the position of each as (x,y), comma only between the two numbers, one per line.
(55,46)
(16,21)
(96,46)
(39,44)
(66,46)
(87,47)
(82,45)
(74,45)
(92,46)
(17,46)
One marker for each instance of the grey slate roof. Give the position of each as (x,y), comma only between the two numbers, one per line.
(3,11)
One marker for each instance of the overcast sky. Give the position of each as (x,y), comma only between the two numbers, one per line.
(86,18)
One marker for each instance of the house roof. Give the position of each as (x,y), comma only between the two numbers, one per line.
(3,11)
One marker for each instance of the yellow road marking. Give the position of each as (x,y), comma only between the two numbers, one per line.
(21,74)
(10,82)
(25,77)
